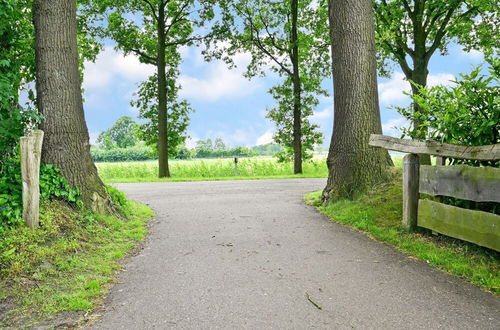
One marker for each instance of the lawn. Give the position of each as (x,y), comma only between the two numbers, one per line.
(378,214)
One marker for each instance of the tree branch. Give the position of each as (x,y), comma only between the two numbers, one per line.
(153,11)
(140,53)
(441,32)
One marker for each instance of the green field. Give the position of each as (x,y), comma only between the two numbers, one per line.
(214,169)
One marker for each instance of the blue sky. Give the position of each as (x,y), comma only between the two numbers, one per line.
(230,106)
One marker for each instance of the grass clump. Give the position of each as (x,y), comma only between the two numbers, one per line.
(67,264)
(379,214)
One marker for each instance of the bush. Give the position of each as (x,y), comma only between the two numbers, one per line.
(466,113)
(135,153)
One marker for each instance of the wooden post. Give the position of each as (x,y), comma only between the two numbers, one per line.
(411,173)
(31,151)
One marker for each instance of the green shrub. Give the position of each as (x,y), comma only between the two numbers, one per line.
(135,153)
(118,197)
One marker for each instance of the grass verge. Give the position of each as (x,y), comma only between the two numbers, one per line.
(379,215)
(59,272)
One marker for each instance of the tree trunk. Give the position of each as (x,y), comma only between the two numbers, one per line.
(297,113)
(164,170)
(354,166)
(419,76)
(420,71)
(297,90)
(59,98)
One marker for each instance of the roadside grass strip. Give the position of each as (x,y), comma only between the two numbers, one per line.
(378,214)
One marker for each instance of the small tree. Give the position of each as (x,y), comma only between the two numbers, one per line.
(153,30)
(146,102)
(122,134)
(289,38)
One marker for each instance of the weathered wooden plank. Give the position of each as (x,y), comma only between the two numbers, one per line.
(479,184)
(31,150)
(411,164)
(488,152)
(481,228)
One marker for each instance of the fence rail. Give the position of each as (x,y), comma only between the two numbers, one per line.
(478,184)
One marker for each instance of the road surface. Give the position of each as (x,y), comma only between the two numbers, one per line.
(248,254)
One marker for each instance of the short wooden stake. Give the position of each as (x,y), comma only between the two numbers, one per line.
(411,174)
(31,151)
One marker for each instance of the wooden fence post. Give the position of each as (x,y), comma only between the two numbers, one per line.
(411,173)
(31,151)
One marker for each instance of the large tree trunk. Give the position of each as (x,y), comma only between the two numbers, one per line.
(59,98)
(297,102)
(164,170)
(353,165)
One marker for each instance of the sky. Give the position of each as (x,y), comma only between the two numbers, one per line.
(231,107)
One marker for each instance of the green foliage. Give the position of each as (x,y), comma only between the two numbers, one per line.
(146,102)
(282,116)
(430,25)
(466,113)
(218,149)
(122,134)
(118,197)
(266,33)
(53,186)
(72,257)
(138,152)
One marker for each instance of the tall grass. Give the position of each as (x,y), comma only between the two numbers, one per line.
(199,169)
(215,169)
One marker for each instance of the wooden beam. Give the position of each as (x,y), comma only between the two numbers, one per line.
(489,152)
(31,151)
(411,164)
(479,184)
(481,228)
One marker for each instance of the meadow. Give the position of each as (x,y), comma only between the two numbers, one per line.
(215,169)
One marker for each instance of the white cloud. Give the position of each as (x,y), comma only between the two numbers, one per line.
(111,64)
(218,81)
(392,91)
(265,138)
(440,79)
(191,142)
(324,114)
(393,126)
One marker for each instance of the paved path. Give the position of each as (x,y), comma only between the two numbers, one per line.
(243,255)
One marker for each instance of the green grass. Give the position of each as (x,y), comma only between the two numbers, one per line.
(210,169)
(379,215)
(67,265)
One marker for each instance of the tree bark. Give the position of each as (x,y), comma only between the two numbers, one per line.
(164,170)
(354,166)
(297,113)
(59,98)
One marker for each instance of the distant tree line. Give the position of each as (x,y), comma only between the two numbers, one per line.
(122,142)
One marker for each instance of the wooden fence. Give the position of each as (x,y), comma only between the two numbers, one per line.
(479,184)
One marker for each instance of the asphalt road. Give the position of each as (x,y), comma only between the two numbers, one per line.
(245,255)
